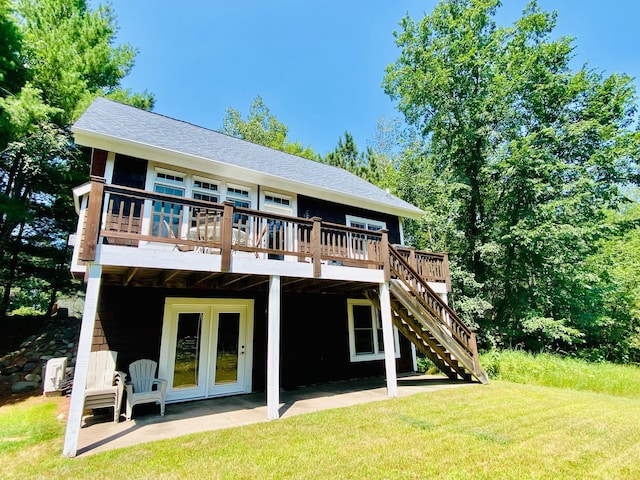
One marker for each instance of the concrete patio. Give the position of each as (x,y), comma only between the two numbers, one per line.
(99,434)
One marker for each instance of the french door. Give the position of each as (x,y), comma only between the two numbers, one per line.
(206,347)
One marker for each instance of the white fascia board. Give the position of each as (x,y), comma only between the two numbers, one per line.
(78,192)
(218,168)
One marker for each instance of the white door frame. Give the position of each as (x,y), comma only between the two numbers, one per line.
(209,307)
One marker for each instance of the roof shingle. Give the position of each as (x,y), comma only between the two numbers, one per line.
(111,119)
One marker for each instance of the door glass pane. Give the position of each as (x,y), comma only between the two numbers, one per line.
(227,352)
(185,369)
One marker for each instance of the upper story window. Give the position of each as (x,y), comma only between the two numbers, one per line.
(169,178)
(167,215)
(365,223)
(277,200)
(205,190)
(239,196)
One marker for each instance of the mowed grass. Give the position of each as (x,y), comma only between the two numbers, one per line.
(500,431)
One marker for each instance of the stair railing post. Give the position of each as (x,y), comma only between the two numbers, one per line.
(447,275)
(474,351)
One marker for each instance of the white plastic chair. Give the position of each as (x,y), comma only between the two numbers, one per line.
(105,385)
(144,387)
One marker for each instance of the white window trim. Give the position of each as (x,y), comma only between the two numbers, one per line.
(290,209)
(231,196)
(378,355)
(367,221)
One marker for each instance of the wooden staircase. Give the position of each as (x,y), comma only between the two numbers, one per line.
(430,324)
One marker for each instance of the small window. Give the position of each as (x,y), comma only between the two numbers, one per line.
(365,332)
(365,223)
(206,186)
(169,178)
(237,192)
(277,200)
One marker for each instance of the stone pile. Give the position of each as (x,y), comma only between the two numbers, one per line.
(21,371)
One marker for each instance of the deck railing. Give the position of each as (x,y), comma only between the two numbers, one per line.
(437,309)
(125,216)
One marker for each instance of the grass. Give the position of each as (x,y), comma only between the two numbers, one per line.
(501,431)
(555,371)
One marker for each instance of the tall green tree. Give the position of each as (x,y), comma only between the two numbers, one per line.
(70,57)
(533,155)
(12,69)
(264,128)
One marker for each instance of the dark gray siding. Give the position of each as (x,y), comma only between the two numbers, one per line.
(336,213)
(314,334)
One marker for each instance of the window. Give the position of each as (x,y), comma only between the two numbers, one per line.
(207,191)
(365,223)
(359,242)
(167,215)
(240,198)
(279,201)
(365,332)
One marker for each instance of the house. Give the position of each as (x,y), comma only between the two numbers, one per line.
(240,268)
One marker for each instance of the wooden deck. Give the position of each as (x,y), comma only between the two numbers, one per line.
(127,217)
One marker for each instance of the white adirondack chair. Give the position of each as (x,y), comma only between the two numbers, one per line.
(105,385)
(144,387)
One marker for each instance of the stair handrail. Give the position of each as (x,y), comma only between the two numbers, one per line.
(432,302)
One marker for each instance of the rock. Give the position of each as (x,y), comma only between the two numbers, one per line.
(5,389)
(29,367)
(32,377)
(22,387)
(15,378)
(11,369)
(20,362)
(28,341)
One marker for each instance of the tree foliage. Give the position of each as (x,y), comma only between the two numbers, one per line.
(527,156)
(263,128)
(58,56)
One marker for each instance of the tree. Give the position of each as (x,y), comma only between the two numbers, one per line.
(70,58)
(532,153)
(12,69)
(263,128)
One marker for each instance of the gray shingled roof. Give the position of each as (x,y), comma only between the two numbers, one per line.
(112,119)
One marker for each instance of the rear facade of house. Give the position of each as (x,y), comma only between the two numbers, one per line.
(240,269)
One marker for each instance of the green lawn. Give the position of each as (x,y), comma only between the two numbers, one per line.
(503,430)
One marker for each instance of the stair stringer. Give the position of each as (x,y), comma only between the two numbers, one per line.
(404,325)
(457,356)
(430,349)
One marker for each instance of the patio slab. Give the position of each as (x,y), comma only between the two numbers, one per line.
(99,434)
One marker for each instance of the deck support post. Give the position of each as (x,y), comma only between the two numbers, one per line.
(76,406)
(273,349)
(389,343)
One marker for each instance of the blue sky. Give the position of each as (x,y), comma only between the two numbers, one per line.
(317,65)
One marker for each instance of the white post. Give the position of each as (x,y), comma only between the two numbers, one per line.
(389,343)
(82,361)
(273,349)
